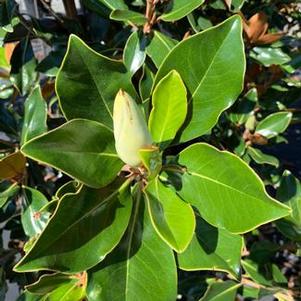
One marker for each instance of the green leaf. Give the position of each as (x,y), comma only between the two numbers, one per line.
(214,184)
(93,162)
(23,64)
(166,209)
(142,267)
(169,102)
(114,4)
(12,166)
(178,9)
(261,158)
(89,91)
(134,53)
(3,61)
(221,291)
(128,16)
(8,193)
(152,160)
(269,56)
(274,124)
(159,47)
(146,83)
(236,5)
(208,73)
(255,273)
(35,115)
(33,220)
(243,109)
(212,249)
(48,283)
(86,226)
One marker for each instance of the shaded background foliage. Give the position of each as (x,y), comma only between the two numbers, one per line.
(262,127)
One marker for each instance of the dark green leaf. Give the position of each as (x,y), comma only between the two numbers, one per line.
(92,161)
(35,115)
(8,193)
(89,91)
(214,184)
(208,73)
(85,227)
(212,249)
(142,267)
(269,56)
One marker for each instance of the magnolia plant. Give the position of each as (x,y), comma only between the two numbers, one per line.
(152,191)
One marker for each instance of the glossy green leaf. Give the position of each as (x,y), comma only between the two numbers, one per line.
(166,209)
(199,23)
(221,291)
(142,267)
(212,249)
(178,9)
(89,91)
(289,192)
(23,64)
(35,115)
(92,161)
(3,61)
(12,166)
(274,124)
(159,47)
(253,270)
(114,4)
(128,16)
(8,193)
(60,287)
(236,5)
(214,184)
(169,108)
(243,109)
(86,226)
(134,53)
(261,158)
(269,56)
(208,73)
(33,220)
(146,83)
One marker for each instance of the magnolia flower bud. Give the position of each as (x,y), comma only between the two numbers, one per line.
(130,129)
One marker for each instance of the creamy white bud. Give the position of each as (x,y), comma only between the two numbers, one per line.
(130,129)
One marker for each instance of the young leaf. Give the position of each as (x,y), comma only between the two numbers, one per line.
(33,220)
(142,267)
(208,73)
(221,291)
(92,161)
(212,249)
(85,227)
(166,209)
(159,47)
(169,110)
(274,124)
(134,53)
(35,115)
(179,9)
(214,184)
(89,91)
